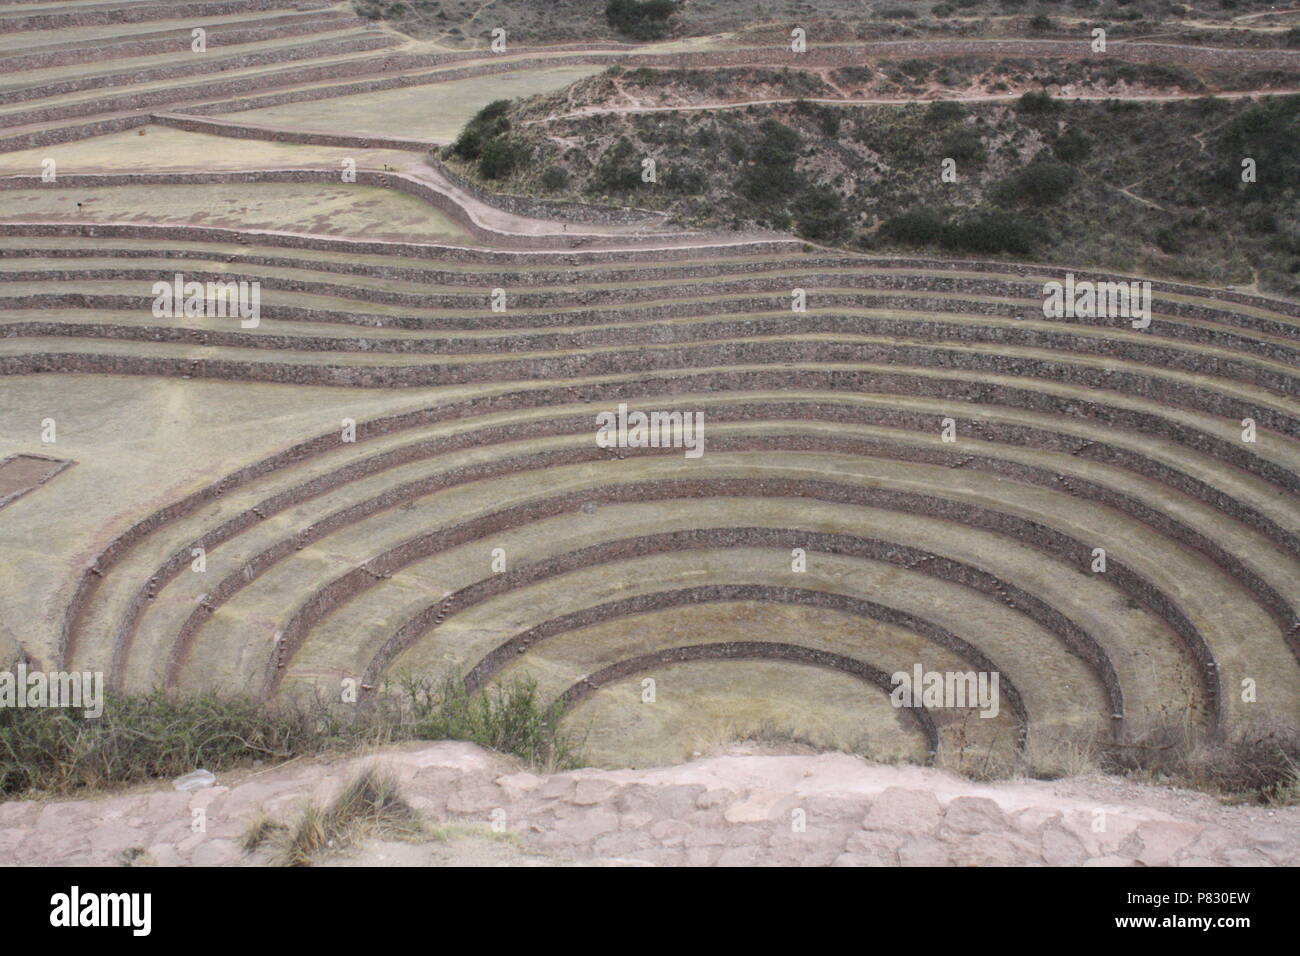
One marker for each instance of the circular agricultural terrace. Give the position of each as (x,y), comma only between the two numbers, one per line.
(396,469)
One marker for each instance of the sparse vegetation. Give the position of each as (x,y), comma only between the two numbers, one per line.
(1039,177)
(1257,763)
(369,805)
(161,736)
(507,718)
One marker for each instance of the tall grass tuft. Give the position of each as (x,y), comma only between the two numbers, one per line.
(160,736)
(505,717)
(146,736)
(369,805)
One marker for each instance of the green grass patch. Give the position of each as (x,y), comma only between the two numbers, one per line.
(156,736)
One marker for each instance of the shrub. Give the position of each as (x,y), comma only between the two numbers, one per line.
(944,111)
(993,231)
(1168,241)
(618,170)
(1258,761)
(487,124)
(647,20)
(1072,146)
(827,117)
(502,156)
(917,69)
(687,182)
(965,145)
(770,177)
(368,805)
(820,214)
(916,227)
(1041,182)
(140,737)
(555,178)
(1037,102)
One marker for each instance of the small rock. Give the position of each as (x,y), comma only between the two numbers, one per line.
(195,780)
(975,815)
(898,810)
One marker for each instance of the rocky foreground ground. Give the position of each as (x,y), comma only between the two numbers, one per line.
(741,808)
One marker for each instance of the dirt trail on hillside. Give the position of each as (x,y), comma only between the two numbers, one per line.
(897,101)
(744,807)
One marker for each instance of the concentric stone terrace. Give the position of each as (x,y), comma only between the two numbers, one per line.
(395,469)
(482,529)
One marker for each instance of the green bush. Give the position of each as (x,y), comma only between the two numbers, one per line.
(944,111)
(1035,102)
(993,231)
(146,736)
(487,124)
(618,170)
(1169,241)
(1041,182)
(827,117)
(820,215)
(1072,146)
(916,227)
(160,736)
(770,176)
(963,145)
(507,718)
(555,178)
(647,20)
(502,156)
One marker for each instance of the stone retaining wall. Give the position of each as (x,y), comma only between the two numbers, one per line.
(959,391)
(638,265)
(67,134)
(1153,354)
(189,64)
(198,124)
(706,355)
(1060,546)
(575,254)
(135,13)
(424,450)
(219,36)
(535,208)
(918,716)
(548,309)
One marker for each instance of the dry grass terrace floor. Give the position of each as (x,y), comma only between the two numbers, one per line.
(350,210)
(164,149)
(436,112)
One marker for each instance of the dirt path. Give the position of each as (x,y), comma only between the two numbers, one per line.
(745,807)
(893,101)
